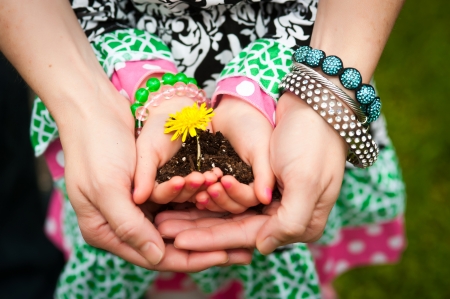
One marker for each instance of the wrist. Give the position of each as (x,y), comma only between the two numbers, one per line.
(291,108)
(87,103)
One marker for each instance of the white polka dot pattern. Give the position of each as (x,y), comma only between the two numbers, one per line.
(60,158)
(245,88)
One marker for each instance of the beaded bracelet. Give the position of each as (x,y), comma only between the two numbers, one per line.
(350,78)
(154,84)
(159,90)
(304,83)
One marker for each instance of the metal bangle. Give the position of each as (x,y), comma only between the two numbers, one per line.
(363,151)
(299,67)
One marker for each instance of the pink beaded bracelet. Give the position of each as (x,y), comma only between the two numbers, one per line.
(166,92)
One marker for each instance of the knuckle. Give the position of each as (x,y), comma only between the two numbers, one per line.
(127,230)
(292,231)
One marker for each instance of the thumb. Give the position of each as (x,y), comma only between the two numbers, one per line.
(146,167)
(289,224)
(264,178)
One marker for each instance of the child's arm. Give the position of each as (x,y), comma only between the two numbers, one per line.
(248,131)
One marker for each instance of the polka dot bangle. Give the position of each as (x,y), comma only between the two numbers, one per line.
(350,78)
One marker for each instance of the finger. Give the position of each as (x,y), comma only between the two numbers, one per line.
(172,227)
(202,198)
(220,198)
(190,214)
(285,226)
(241,193)
(218,172)
(144,179)
(167,191)
(204,201)
(239,257)
(211,177)
(154,149)
(231,234)
(185,261)
(264,178)
(194,181)
(130,225)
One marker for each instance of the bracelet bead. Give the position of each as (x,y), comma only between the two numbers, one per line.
(365,94)
(374,110)
(180,77)
(301,53)
(315,57)
(141,95)
(153,84)
(350,78)
(134,107)
(169,79)
(332,65)
(168,91)
(191,81)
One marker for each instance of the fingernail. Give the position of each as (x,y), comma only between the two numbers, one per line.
(226,184)
(152,253)
(195,185)
(214,194)
(228,259)
(269,194)
(178,188)
(268,245)
(204,202)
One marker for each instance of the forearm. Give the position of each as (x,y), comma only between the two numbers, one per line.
(355,30)
(46,44)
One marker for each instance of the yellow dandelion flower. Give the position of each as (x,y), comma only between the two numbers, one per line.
(189,119)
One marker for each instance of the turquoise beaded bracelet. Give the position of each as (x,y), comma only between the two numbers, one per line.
(350,78)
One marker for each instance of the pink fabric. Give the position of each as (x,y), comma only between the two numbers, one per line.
(249,91)
(53,223)
(54,157)
(359,246)
(128,76)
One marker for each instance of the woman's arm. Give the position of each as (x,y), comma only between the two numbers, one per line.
(355,31)
(308,156)
(43,40)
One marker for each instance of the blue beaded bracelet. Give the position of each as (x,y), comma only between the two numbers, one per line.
(350,78)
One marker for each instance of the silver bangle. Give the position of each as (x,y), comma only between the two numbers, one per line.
(299,67)
(363,151)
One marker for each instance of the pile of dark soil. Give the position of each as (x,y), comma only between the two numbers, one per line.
(216,151)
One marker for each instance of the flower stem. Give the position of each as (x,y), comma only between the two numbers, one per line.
(199,153)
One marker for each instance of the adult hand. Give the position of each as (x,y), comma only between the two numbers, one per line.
(100,164)
(308,159)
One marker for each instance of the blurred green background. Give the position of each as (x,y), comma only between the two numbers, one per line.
(413,81)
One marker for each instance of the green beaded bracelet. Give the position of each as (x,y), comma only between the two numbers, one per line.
(154,84)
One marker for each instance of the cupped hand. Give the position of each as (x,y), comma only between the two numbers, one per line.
(100,155)
(154,149)
(308,159)
(249,133)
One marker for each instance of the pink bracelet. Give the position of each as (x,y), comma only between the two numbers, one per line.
(166,92)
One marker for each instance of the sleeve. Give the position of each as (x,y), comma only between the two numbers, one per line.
(254,75)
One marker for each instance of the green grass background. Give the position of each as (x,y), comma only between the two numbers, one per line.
(413,80)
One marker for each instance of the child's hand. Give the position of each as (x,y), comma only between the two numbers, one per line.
(249,133)
(154,149)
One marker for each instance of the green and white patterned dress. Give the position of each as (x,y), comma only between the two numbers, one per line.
(212,41)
